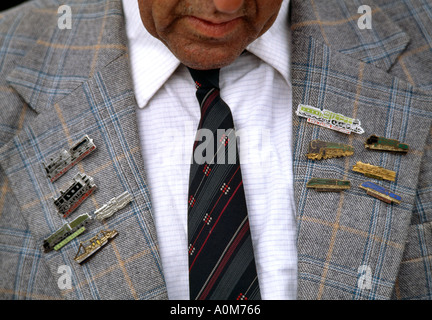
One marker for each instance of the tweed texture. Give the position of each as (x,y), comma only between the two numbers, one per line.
(363,74)
(80,85)
(57,85)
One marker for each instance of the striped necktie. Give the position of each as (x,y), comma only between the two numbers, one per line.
(221,259)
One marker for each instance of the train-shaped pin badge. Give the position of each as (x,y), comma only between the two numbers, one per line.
(383,144)
(375,172)
(80,189)
(380,193)
(329,185)
(66,159)
(76,227)
(319,150)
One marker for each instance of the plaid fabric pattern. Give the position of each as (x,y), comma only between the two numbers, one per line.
(352,231)
(73,85)
(57,85)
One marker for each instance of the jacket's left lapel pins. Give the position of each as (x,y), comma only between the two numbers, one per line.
(70,231)
(68,158)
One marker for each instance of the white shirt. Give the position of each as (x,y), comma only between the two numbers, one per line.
(168,117)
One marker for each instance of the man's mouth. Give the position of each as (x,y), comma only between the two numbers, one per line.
(213,28)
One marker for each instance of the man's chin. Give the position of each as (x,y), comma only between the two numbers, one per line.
(211,59)
(208,57)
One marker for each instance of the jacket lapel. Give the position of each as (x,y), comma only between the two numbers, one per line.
(79,83)
(350,245)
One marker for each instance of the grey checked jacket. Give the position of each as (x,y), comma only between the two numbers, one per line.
(58,84)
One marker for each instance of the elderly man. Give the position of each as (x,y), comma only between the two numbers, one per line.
(203,113)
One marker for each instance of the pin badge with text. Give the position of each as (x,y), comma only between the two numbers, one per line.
(329,119)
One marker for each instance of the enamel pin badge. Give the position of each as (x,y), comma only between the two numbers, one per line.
(76,227)
(87,248)
(114,205)
(380,193)
(328,185)
(383,144)
(81,187)
(66,159)
(375,172)
(328,119)
(66,233)
(326,150)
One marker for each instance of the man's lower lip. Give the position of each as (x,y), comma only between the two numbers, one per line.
(213,30)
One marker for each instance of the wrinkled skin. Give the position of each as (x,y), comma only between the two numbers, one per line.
(208,34)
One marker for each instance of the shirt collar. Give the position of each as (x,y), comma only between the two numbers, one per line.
(152,63)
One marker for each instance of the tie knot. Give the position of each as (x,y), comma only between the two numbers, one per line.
(205,79)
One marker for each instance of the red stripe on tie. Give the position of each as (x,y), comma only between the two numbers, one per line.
(216,222)
(225,260)
(208,102)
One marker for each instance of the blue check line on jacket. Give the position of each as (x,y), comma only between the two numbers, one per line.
(13,52)
(33,179)
(424,253)
(35,266)
(383,247)
(34,143)
(8,38)
(378,44)
(7,129)
(421,209)
(418,20)
(324,76)
(152,293)
(367,84)
(39,89)
(52,77)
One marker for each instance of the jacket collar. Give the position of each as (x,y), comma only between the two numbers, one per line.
(336,23)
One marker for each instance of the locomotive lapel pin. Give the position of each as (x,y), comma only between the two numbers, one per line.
(380,193)
(81,188)
(76,227)
(328,185)
(326,150)
(329,119)
(375,172)
(66,159)
(383,144)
